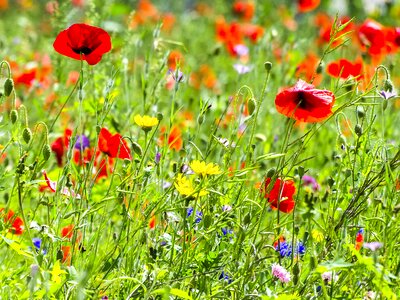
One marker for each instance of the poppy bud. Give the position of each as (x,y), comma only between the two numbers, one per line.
(160,116)
(358,129)
(200,119)
(137,149)
(271,172)
(347,172)
(27,135)
(13,116)
(268,66)
(46,152)
(251,105)
(320,68)
(388,85)
(360,112)
(300,171)
(98,129)
(8,86)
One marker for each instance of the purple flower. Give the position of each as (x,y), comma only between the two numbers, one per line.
(388,94)
(310,181)
(281,273)
(242,69)
(226,208)
(82,142)
(157,158)
(373,246)
(177,75)
(241,50)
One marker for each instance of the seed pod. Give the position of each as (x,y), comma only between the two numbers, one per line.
(251,105)
(27,135)
(8,86)
(13,116)
(46,152)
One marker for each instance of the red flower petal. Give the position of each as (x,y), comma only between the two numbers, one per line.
(113,145)
(307,5)
(305,103)
(83,41)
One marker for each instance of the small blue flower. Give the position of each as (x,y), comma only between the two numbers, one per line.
(225,277)
(37,242)
(199,214)
(226,231)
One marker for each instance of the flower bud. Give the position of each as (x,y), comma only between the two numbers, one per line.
(200,119)
(384,104)
(160,116)
(46,152)
(251,105)
(388,85)
(268,66)
(8,86)
(271,172)
(27,135)
(358,129)
(360,112)
(137,149)
(320,68)
(13,116)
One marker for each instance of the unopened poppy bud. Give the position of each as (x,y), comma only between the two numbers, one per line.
(341,139)
(347,172)
(268,66)
(358,129)
(360,112)
(27,135)
(388,85)
(247,219)
(271,172)
(98,129)
(200,119)
(251,105)
(137,149)
(13,116)
(8,86)
(160,116)
(320,68)
(46,152)
(300,171)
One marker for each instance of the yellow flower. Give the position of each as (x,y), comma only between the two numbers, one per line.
(203,169)
(57,272)
(317,235)
(146,122)
(185,187)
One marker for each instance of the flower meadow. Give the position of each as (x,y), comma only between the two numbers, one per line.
(199,149)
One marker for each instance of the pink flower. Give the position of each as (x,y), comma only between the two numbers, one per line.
(280,273)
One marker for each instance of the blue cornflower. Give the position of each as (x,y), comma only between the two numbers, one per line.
(37,242)
(199,214)
(225,277)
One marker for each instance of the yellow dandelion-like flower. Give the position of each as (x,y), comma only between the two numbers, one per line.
(203,169)
(146,122)
(185,187)
(317,235)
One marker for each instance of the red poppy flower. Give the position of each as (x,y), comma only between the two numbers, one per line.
(67,231)
(244,9)
(307,5)
(174,138)
(344,68)
(372,36)
(113,145)
(282,191)
(16,223)
(81,40)
(305,103)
